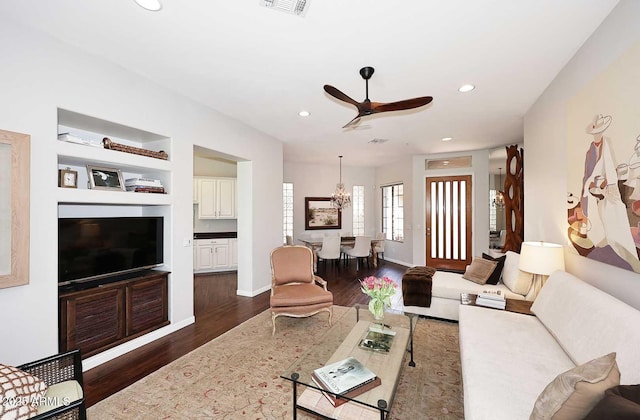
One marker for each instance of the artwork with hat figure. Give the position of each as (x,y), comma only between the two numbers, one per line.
(603,164)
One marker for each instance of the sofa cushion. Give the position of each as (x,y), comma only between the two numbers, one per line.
(60,394)
(517,281)
(480,270)
(621,402)
(449,285)
(18,390)
(588,323)
(574,393)
(507,359)
(497,272)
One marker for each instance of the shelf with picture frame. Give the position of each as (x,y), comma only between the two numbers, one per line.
(86,152)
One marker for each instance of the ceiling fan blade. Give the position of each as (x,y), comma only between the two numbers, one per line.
(336,93)
(400,105)
(353,122)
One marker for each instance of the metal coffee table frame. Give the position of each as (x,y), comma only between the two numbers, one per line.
(382,405)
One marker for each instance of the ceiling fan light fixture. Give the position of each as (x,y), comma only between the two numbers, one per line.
(466,88)
(150,5)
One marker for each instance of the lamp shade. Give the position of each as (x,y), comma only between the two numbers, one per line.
(541,257)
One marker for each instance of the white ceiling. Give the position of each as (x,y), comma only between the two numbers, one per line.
(262,66)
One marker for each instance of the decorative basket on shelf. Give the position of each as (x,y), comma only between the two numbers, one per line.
(108,144)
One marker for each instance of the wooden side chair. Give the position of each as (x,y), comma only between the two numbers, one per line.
(295,290)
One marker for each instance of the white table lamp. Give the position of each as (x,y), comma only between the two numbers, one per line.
(541,259)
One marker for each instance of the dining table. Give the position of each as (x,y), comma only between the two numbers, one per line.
(316,243)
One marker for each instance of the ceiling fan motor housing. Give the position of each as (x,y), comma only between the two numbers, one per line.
(366,72)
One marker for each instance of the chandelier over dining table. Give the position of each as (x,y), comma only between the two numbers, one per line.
(340,199)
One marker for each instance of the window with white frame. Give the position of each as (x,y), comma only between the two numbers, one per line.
(358,210)
(287,206)
(393,212)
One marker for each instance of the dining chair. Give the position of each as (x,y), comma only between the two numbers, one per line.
(295,290)
(361,250)
(379,246)
(330,249)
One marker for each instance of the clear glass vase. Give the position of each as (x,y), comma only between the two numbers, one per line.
(376,307)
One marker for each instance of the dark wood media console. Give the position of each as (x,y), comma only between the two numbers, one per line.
(110,314)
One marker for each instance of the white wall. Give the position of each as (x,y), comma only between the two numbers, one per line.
(39,75)
(320,181)
(546,151)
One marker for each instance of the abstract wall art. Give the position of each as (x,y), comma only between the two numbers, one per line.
(603,164)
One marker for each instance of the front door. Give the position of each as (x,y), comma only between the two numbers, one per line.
(448,222)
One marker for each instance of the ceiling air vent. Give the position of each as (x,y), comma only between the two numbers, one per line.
(296,7)
(378,141)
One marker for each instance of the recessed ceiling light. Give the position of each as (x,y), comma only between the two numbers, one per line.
(151,5)
(447,138)
(466,88)
(304,113)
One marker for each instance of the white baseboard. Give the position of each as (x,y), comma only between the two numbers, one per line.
(123,348)
(253,293)
(406,264)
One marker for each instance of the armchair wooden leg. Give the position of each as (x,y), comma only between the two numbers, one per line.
(273,321)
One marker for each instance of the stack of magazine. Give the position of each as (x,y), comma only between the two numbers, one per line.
(346,378)
(492,299)
(146,185)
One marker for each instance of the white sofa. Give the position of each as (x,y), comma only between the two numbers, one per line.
(446,288)
(508,359)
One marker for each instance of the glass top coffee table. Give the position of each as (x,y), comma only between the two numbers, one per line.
(343,339)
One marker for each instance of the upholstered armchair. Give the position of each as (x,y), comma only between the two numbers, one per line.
(295,290)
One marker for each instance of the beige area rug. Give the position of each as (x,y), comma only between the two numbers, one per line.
(237,375)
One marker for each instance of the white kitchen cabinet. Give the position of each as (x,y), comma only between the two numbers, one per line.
(233,252)
(215,255)
(217,198)
(196,192)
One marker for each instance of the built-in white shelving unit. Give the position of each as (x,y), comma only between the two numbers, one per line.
(77,156)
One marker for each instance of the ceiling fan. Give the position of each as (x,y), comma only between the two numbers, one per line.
(367,107)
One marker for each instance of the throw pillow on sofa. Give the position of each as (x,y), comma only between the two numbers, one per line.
(480,270)
(497,272)
(516,280)
(574,393)
(621,402)
(18,390)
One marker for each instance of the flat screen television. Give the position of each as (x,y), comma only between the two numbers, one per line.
(98,248)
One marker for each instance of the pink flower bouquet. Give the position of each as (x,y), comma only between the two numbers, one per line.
(380,291)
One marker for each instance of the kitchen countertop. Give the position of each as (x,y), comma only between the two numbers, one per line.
(214,235)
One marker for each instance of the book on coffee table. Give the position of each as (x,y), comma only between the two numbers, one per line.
(338,400)
(348,377)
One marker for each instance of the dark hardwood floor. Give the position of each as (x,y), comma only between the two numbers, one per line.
(217,309)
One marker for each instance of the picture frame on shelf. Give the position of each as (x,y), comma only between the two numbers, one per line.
(319,214)
(67,178)
(101,178)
